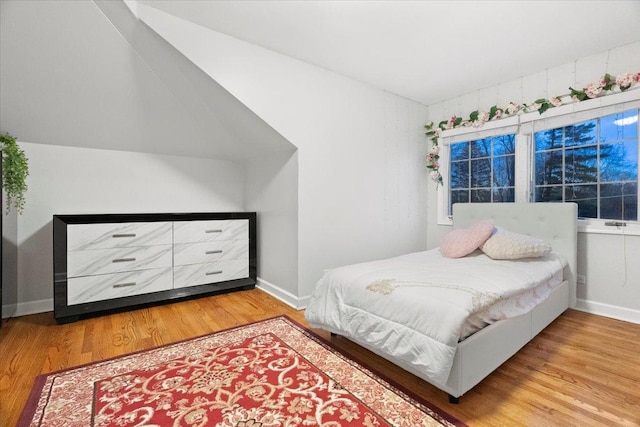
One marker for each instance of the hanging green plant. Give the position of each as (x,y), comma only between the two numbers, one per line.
(15,169)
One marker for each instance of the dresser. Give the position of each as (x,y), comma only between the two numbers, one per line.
(108,262)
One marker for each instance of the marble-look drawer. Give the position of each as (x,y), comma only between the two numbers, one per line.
(118,235)
(222,250)
(117,285)
(104,261)
(211,272)
(208,231)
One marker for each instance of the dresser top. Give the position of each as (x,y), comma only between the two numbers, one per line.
(147,217)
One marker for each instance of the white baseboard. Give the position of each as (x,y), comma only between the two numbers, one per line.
(284,296)
(27,308)
(601,309)
(607,310)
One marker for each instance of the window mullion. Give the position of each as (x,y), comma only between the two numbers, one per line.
(523,172)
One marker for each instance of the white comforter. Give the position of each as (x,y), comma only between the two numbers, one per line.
(413,307)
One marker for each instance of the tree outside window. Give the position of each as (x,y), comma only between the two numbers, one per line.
(593,163)
(482,170)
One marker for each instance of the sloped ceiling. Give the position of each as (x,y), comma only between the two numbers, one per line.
(427,51)
(88,74)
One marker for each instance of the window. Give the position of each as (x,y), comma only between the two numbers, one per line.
(593,163)
(482,170)
(586,152)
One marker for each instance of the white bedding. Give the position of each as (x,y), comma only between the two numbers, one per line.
(415,306)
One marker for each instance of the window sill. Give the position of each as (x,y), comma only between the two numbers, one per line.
(587,227)
(445,221)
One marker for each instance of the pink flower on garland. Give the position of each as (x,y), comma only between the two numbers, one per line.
(555,101)
(625,80)
(594,89)
(534,107)
(513,108)
(483,117)
(450,122)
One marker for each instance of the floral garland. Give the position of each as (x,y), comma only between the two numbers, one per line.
(602,86)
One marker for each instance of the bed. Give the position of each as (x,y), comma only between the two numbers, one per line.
(451,363)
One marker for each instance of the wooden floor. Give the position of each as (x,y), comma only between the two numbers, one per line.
(583,370)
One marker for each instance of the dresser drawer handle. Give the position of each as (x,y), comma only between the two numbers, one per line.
(213,231)
(123,260)
(219,251)
(124,285)
(209,273)
(115,236)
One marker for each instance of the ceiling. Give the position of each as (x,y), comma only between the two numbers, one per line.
(427,51)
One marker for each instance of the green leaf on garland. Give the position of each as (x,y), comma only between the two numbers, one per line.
(492,112)
(544,106)
(579,94)
(457,121)
(473,116)
(608,82)
(442,125)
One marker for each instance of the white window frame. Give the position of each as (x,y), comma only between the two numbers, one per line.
(524,126)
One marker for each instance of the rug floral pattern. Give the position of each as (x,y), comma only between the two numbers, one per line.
(267,374)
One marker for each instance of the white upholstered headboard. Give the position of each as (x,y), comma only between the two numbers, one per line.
(556,223)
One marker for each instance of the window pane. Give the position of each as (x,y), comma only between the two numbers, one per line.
(630,201)
(459,151)
(619,126)
(503,171)
(601,177)
(504,144)
(504,194)
(482,170)
(581,165)
(580,134)
(480,173)
(459,196)
(548,139)
(460,175)
(616,197)
(618,162)
(549,168)
(480,196)
(586,196)
(549,194)
(481,148)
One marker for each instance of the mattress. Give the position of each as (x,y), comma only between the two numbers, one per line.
(417,307)
(513,306)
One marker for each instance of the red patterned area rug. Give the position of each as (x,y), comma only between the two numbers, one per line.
(265,374)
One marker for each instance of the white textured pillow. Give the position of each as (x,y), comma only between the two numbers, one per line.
(504,244)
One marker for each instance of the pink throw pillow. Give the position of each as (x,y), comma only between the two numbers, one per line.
(462,242)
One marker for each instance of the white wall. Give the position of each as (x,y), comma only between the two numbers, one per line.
(361,176)
(607,261)
(88,74)
(69,180)
(272,192)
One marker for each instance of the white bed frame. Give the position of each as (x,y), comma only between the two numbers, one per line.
(483,352)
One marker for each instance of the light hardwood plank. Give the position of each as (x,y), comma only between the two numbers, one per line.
(583,370)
